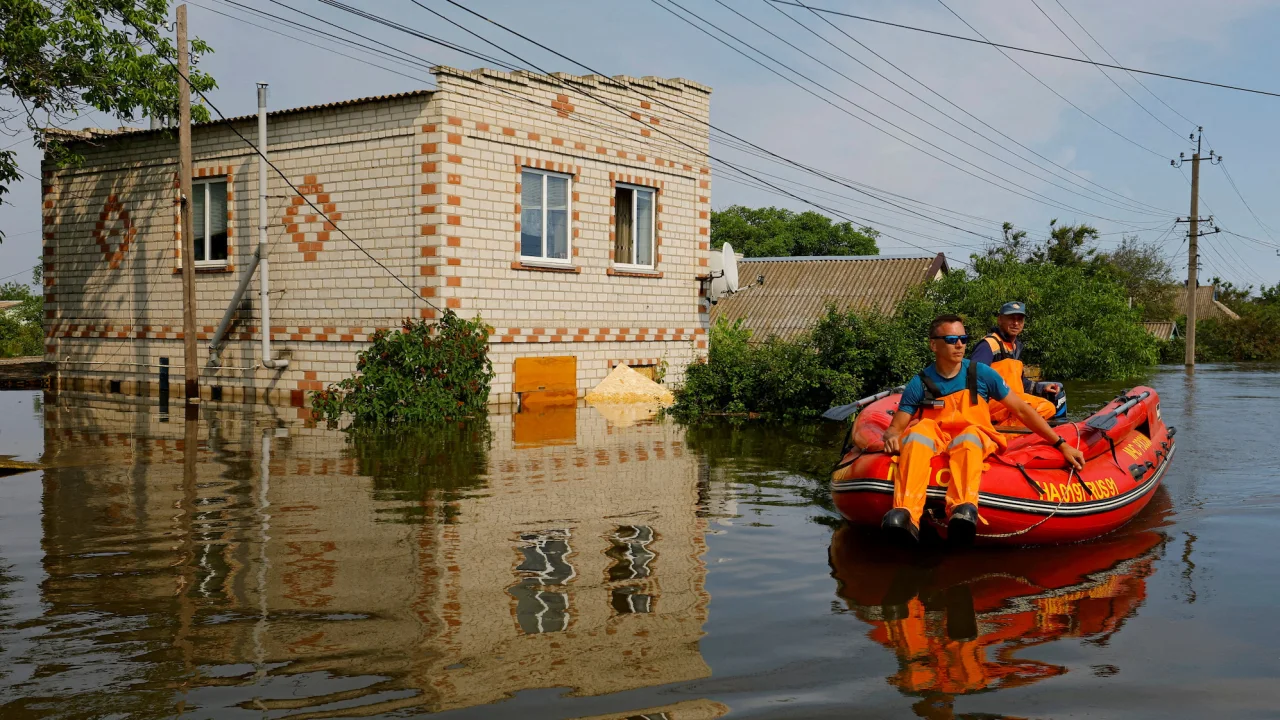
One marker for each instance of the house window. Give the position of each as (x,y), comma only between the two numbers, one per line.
(633,226)
(544,216)
(209,220)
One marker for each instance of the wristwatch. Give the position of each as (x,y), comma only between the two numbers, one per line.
(1060,441)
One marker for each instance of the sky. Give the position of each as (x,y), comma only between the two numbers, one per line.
(1092,150)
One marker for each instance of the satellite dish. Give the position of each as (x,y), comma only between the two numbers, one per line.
(730,264)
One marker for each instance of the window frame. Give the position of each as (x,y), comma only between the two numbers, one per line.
(567,261)
(201,184)
(635,223)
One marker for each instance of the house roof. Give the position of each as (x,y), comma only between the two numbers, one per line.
(797,290)
(1206,306)
(6,304)
(92,133)
(1166,330)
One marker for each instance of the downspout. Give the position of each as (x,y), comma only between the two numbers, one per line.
(263,262)
(259,260)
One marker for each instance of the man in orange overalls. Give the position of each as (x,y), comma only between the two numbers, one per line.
(949,402)
(1002,350)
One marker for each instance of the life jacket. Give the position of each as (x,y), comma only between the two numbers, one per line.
(960,409)
(1007,361)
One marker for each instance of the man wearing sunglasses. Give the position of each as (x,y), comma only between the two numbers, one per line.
(1002,350)
(949,404)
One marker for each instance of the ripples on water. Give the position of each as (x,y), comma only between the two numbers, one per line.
(561,565)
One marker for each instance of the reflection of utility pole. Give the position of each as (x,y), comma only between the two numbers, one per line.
(191,372)
(186,611)
(1193,244)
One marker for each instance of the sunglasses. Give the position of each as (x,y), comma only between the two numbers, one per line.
(951,339)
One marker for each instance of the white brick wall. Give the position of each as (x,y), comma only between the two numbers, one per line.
(428,185)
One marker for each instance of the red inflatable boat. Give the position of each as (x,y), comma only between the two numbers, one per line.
(1029,496)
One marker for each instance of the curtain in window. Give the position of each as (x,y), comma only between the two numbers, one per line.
(622,244)
(197,223)
(531,215)
(557,218)
(644,227)
(217,220)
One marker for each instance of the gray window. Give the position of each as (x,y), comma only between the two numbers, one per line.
(544,216)
(209,220)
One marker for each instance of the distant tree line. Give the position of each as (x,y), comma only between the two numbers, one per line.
(778,232)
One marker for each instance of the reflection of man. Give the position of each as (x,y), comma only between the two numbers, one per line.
(949,400)
(1002,350)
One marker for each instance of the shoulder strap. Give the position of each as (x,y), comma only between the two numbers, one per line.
(998,352)
(931,389)
(971,382)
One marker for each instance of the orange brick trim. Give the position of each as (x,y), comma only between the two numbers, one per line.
(568,269)
(632,273)
(559,335)
(306,229)
(209,171)
(209,270)
(114,226)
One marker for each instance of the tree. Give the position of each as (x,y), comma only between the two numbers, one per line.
(58,60)
(778,232)
(22,326)
(1146,275)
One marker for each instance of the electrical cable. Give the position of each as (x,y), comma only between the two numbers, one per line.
(985,41)
(1104,72)
(1038,197)
(1035,77)
(1128,72)
(1104,201)
(947,100)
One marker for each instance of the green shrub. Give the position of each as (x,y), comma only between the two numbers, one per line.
(1255,336)
(425,373)
(21,327)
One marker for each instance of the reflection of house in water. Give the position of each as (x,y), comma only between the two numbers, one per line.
(559,565)
(965,624)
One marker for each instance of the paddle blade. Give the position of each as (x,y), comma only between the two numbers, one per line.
(842,412)
(1102,422)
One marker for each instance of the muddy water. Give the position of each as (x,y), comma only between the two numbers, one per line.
(565,565)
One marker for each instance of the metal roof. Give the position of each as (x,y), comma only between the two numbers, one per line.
(797,290)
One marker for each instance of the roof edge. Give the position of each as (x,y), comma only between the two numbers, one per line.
(826,258)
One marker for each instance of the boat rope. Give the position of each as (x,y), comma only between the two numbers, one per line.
(1070,473)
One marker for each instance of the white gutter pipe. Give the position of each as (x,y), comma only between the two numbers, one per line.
(264,263)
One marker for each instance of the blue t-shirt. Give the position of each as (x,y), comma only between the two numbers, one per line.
(990,385)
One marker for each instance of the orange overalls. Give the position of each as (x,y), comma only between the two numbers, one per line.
(957,426)
(1007,361)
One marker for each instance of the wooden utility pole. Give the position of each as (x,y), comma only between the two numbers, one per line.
(1193,258)
(191,371)
(1193,242)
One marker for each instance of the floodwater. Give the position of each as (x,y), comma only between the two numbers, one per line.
(566,565)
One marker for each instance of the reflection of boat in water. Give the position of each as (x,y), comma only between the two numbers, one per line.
(962,623)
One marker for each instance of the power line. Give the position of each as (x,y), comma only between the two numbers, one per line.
(1104,72)
(1095,198)
(1046,85)
(619,110)
(947,100)
(1129,72)
(985,41)
(1044,198)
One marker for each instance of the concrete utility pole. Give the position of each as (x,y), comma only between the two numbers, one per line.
(1193,241)
(191,371)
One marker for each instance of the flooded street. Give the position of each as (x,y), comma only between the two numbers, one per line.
(565,565)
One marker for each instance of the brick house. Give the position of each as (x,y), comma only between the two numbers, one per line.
(570,213)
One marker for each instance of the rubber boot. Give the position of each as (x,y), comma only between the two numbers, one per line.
(898,526)
(963,525)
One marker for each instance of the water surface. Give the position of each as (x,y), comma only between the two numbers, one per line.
(568,565)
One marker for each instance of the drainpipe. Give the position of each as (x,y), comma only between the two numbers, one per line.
(263,262)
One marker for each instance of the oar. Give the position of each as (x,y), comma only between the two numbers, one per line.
(843,412)
(1108,421)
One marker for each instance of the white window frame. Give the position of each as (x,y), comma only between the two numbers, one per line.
(202,185)
(525,172)
(635,223)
